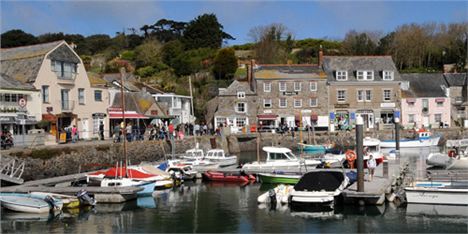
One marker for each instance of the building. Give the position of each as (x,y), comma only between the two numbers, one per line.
(457,83)
(66,93)
(179,106)
(425,102)
(366,86)
(287,92)
(14,112)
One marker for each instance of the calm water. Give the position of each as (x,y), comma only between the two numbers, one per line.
(219,207)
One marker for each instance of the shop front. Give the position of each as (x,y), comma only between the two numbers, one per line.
(367,117)
(267,121)
(342,120)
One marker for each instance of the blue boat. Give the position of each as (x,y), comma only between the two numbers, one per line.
(313,149)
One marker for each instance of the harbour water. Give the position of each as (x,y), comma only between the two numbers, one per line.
(223,207)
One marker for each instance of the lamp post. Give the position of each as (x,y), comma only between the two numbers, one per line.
(359,153)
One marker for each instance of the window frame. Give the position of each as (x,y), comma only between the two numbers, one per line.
(285,103)
(285,86)
(297,101)
(96,92)
(341,75)
(343,99)
(411,118)
(313,87)
(81,100)
(297,89)
(316,102)
(390,95)
(365,75)
(265,85)
(265,102)
(237,107)
(435,117)
(45,94)
(240,94)
(390,73)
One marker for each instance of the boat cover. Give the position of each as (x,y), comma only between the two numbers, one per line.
(163,166)
(457,143)
(120,171)
(320,180)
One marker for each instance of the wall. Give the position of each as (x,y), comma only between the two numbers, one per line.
(416,110)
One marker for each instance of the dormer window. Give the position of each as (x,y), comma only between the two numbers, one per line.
(387,75)
(365,75)
(64,70)
(240,95)
(341,75)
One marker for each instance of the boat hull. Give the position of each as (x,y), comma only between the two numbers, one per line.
(271,178)
(24,204)
(433,141)
(443,160)
(316,149)
(223,162)
(286,165)
(442,196)
(219,176)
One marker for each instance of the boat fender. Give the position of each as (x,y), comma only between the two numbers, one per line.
(452,153)
(350,155)
(272,195)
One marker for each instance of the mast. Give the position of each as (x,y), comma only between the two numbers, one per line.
(192,119)
(122,106)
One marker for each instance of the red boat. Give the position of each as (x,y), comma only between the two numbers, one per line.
(120,172)
(228,177)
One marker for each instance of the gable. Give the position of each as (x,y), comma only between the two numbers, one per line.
(65,54)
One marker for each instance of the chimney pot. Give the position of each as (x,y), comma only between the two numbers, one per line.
(320,58)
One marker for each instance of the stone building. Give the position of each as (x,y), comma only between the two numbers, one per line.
(362,85)
(457,83)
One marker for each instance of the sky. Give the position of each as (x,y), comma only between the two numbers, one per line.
(305,19)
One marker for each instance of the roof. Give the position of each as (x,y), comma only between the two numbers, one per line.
(140,102)
(455,79)
(6,82)
(95,80)
(351,64)
(235,86)
(288,71)
(150,89)
(425,84)
(114,78)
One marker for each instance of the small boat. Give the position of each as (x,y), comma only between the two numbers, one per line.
(372,145)
(319,187)
(69,202)
(424,139)
(280,177)
(218,156)
(280,158)
(441,193)
(228,177)
(178,169)
(312,149)
(30,203)
(279,194)
(194,153)
(455,158)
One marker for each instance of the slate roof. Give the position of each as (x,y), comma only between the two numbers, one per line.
(455,79)
(129,79)
(140,102)
(288,71)
(96,81)
(235,86)
(6,82)
(23,63)
(425,84)
(149,88)
(351,64)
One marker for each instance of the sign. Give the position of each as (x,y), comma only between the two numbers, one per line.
(290,93)
(7,119)
(387,105)
(49,109)
(306,111)
(267,111)
(353,115)
(332,115)
(99,115)
(22,121)
(342,105)
(397,114)
(22,102)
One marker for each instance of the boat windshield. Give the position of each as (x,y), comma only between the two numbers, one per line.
(291,155)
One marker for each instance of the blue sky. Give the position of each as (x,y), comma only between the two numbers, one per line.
(317,19)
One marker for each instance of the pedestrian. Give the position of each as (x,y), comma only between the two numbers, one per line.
(74,133)
(205,129)
(210,128)
(371,165)
(101,130)
(116,133)
(128,131)
(171,131)
(196,129)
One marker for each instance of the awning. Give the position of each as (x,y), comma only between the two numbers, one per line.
(410,100)
(128,115)
(7,120)
(267,117)
(440,99)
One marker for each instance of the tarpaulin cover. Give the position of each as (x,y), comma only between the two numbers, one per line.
(163,166)
(320,180)
(120,172)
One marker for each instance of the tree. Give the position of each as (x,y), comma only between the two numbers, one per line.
(97,43)
(170,51)
(356,43)
(225,64)
(145,29)
(269,47)
(167,30)
(205,31)
(148,54)
(17,37)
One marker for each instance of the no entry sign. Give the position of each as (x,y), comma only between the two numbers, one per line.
(22,102)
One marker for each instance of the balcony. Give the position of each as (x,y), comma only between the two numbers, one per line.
(67,105)
(458,101)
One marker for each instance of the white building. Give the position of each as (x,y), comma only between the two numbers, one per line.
(179,106)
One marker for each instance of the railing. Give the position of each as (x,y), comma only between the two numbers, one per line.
(67,105)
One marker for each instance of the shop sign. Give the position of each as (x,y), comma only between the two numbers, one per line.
(99,115)
(342,105)
(267,111)
(387,105)
(290,93)
(306,111)
(7,119)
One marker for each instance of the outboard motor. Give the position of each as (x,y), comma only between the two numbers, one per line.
(85,199)
(272,195)
(51,201)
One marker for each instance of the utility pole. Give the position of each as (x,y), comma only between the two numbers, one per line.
(359,153)
(192,119)
(122,106)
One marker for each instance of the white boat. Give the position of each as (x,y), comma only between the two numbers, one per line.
(279,194)
(30,203)
(280,158)
(372,145)
(193,154)
(179,169)
(456,157)
(423,139)
(439,194)
(219,157)
(319,187)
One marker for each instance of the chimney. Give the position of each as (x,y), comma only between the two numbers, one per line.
(73,45)
(250,69)
(320,57)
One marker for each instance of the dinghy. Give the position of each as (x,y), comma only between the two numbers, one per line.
(227,177)
(455,158)
(423,139)
(29,203)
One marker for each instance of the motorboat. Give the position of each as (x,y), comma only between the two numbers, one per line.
(228,177)
(194,153)
(178,169)
(371,145)
(219,157)
(280,158)
(440,193)
(312,149)
(456,157)
(30,203)
(69,202)
(319,187)
(280,194)
(279,177)
(423,138)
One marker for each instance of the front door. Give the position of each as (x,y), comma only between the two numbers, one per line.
(426,121)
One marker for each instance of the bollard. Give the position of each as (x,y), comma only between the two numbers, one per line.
(385,168)
(397,134)
(359,153)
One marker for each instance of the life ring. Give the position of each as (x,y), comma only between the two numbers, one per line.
(350,155)
(452,153)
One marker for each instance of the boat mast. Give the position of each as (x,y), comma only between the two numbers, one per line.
(122,106)
(192,119)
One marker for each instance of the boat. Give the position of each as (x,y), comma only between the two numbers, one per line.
(440,193)
(280,194)
(228,177)
(280,177)
(319,187)
(371,145)
(219,157)
(455,158)
(423,139)
(280,158)
(69,202)
(30,203)
(194,153)
(312,149)
(178,169)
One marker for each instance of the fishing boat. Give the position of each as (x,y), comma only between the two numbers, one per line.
(280,158)
(423,139)
(69,202)
(319,187)
(193,154)
(441,193)
(280,177)
(30,203)
(228,177)
(219,157)
(456,157)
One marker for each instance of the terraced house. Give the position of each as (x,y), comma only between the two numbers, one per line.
(366,86)
(67,97)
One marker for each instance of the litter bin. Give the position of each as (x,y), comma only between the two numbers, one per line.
(253,128)
(213,143)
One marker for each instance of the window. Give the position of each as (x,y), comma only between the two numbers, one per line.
(297,86)
(64,70)
(341,75)
(14,98)
(313,102)
(45,93)
(220,120)
(297,103)
(411,118)
(267,103)
(341,95)
(96,122)
(98,95)
(387,75)
(364,95)
(240,94)
(241,121)
(365,75)
(387,117)
(241,107)
(65,99)
(440,104)
(313,86)
(283,103)
(387,95)
(267,87)
(438,118)
(7,97)
(282,86)
(81,96)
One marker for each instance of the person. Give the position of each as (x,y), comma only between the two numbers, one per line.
(371,165)
(101,130)
(116,133)
(171,131)
(74,132)
(128,131)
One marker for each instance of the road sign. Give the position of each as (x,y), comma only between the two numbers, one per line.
(22,102)
(22,121)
